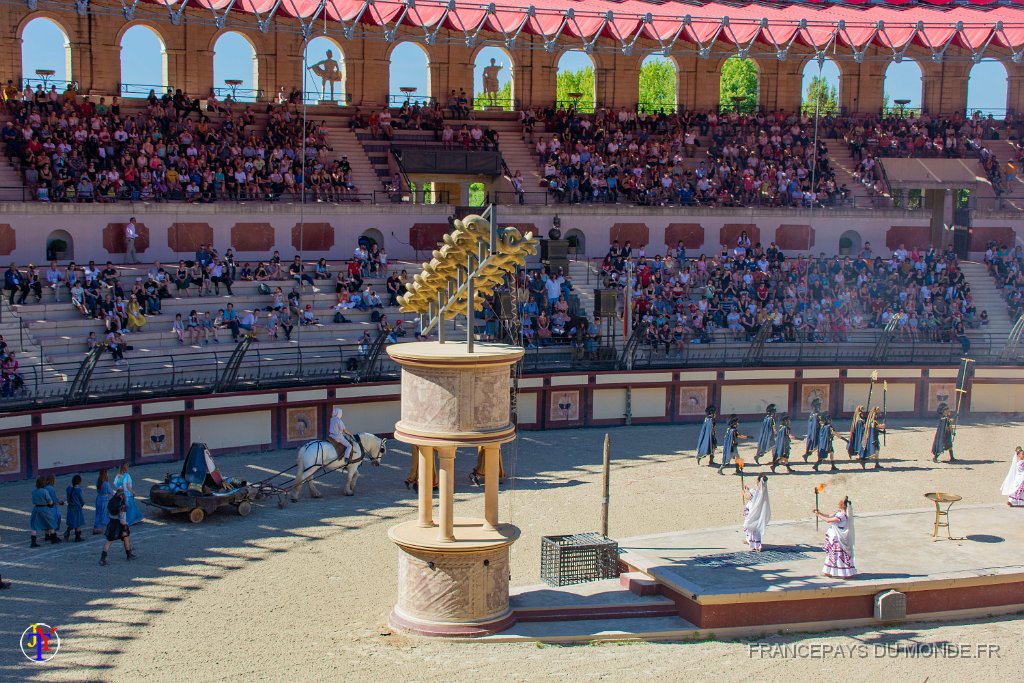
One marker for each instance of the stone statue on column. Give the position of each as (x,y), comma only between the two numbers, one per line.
(329,72)
(491,86)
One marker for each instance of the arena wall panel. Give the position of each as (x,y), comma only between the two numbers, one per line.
(528,408)
(233,430)
(648,402)
(70,447)
(997,398)
(902,396)
(378,417)
(751,399)
(609,404)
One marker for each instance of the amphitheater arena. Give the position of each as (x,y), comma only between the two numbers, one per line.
(880,175)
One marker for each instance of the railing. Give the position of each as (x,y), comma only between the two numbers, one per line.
(153,374)
(549,198)
(397,101)
(656,108)
(141,90)
(583,105)
(47,83)
(239,94)
(483,103)
(415,195)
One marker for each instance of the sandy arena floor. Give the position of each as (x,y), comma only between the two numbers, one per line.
(303,593)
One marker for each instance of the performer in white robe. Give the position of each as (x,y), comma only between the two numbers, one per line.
(839,556)
(1013,485)
(339,435)
(757,512)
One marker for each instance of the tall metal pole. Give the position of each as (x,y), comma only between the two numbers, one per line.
(627,314)
(606,474)
(814,157)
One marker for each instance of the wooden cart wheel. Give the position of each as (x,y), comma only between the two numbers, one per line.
(197,515)
(244,508)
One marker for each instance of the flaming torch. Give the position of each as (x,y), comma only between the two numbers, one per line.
(817,492)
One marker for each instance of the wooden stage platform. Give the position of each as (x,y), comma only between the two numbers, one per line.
(692,584)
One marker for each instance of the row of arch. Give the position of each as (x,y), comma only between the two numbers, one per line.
(45,45)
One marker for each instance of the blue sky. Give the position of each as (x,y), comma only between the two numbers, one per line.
(142,63)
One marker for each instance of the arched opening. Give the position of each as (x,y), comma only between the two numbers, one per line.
(477,194)
(849,243)
(409,75)
(370,237)
(60,246)
(143,62)
(324,71)
(903,89)
(740,85)
(820,88)
(45,54)
(986,89)
(659,81)
(493,80)
(577,242)
(574,82)
(235,68)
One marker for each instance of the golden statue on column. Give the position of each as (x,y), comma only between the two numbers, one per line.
(454,571)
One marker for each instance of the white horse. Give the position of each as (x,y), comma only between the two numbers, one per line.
(314,456)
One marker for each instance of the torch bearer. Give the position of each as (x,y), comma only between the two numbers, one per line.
(817,492)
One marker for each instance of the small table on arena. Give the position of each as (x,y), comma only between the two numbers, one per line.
(233,83)
(942,516)
(408,91)
(737,100)
(46,75)
(902,104)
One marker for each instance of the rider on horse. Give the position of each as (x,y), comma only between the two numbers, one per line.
(339,435)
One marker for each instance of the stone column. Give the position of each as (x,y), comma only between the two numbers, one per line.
(446,495)
(492,455)
(425,485)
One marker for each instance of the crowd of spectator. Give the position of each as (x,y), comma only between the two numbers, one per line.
(659,159)
(72,148)
(680,301)
(1007,267)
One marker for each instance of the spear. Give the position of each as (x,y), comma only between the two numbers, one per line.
(885,393)
(817,492)
(871,387)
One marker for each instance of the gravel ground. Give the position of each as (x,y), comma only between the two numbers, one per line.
(304,592)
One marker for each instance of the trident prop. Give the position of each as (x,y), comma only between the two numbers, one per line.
(961,391)
(817,492)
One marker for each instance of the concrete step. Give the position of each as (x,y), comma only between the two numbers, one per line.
(587,631)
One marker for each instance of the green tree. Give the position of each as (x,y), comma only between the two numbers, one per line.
(739,79)
(504,101)
(582,82)
(657,86)
(827,97)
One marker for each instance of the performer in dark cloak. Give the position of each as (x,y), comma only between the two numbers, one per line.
(783,438)
(730,444)
(813,427)
(706,441)
(766,439)
(943,440)
(871,447)
(826,450)
(856,435)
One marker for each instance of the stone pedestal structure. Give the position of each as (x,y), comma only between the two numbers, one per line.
(454,572)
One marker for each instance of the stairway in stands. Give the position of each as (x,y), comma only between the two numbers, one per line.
(987,297)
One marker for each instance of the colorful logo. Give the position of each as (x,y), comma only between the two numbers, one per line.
(40,643)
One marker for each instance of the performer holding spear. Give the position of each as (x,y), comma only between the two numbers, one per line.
(944,431)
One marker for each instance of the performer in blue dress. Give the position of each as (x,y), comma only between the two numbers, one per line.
(783,437)
(123,480)
(766,439)
(706,441)
(943,440)
(856,436)
(813,427)
(76,509)
(51,488)
(43,516)
(103,493)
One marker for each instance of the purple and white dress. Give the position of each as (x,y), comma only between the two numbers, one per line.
(839,557)
(1013,485)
